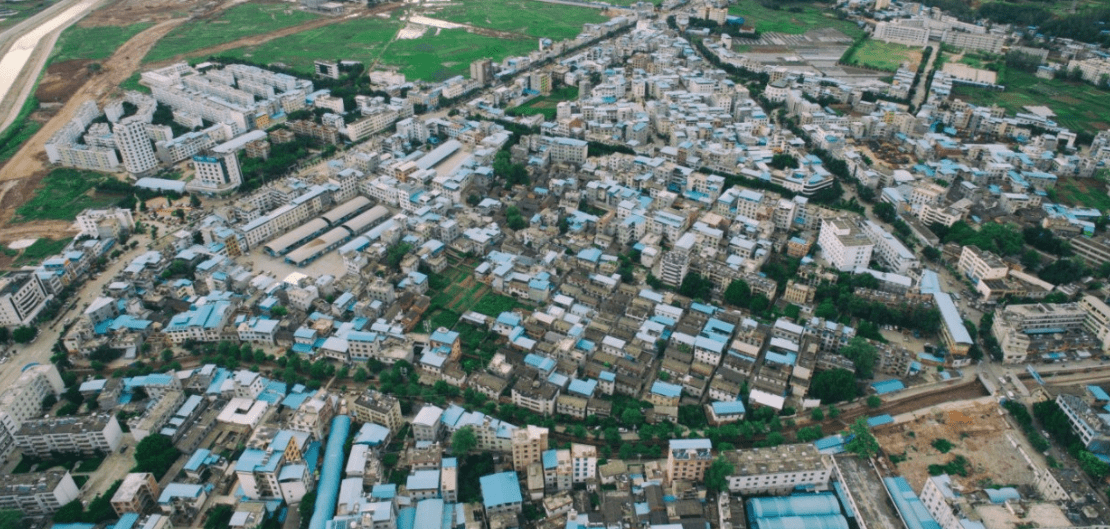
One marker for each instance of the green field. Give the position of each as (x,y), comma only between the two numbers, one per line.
(93,43)
(360,40)
(885,56)
(1078,106)
(41,249)
(437,57)
(64,194)
(535,19)
(546,105)
(1089,192)
(768,20)
(241,21)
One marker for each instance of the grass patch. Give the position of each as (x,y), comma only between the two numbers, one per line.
(1089,192)
(494,304)
(243,20)
(809,16)
(132,83)
(435,57)
(546,105)
(93,43)
(956,467)
(535,19)
(80,481)
(361,40)
(41,249)
(1078,106)
(20,130)
(64,194)
(22,9)
(885,56)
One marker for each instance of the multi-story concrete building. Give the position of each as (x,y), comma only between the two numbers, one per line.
(379,408)
(688,459)
(218,173)
(901,34)
(134,146)
(1092,427)
(583,462)
(23,399)
(778,470)
(978,265)
(100,223)
(1018,327)
(501,493)
(676,263)
(91,435)
(1097,321)
(37,495)
(844,245)
(138,494)
(21,298)
(528,446)
(889,251)
(974,41)
(427,425)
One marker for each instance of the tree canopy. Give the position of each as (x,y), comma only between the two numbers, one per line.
(716,476)
(155,454)
(834,385)
(863,444)
(863,354)
(463,440)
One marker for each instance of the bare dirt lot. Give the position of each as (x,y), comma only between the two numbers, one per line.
(976,431)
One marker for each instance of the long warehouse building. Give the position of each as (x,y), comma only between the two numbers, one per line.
(315,227)
(329,241)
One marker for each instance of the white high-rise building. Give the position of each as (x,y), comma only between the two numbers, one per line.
(134,146)
(844,245)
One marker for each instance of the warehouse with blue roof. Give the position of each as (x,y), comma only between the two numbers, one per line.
(798,511)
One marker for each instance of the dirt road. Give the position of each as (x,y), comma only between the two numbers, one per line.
(27,168)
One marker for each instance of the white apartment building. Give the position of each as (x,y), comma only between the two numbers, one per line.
(938,495)
(974,41)
(778,470)
(1091,426)
(21,298)
(676,263)
(219,172)
(134,146)
(38,494)
(1093,70)
(583,462)
(979,265)
(95,434)
(89,221)
(23,399)
(1097,321)
(844,245)
(901,34)
(889,251)
(426,426)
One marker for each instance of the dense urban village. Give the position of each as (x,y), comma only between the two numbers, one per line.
(682,269)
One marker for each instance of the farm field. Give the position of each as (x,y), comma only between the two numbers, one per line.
(528,17)
(435,57)
(546,105)
(1078,106)
(1089,192)
(243,20)
(93,43)
(454,292)
(885,56)
(783,20)
(359,39)
(64,194)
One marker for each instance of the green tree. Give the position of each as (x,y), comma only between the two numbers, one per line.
(306,508)
(24,334)
(716,476)
(155,454)
(218,517)
(361,375)
(167,355)
(885,212)
(863,354)
(809,433)
(463,441)
(874,401)
(11,519)
(817,414)
(695,286)
(834,385)
(738,293)
(863,444)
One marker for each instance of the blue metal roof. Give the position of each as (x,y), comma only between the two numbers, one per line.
(879,421)
(666,389)
(888,386)
(500,489)
(423,480)
(1098,393)
(1002,495)
(328,488)
(909,506)
(550,459)
(728,408)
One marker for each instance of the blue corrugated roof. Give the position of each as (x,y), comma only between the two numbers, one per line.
(500,489)
(728,408)
(888,386)
(1098,393)
(1002,495)
(879,420)
(328,489)
(550,459)
(909,506)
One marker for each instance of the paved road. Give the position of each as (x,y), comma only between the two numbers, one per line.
(40,350)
